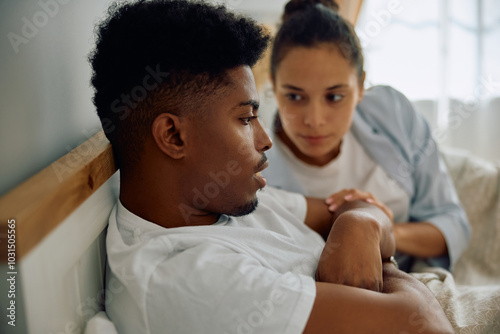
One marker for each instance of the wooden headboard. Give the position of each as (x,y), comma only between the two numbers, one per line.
(59,217)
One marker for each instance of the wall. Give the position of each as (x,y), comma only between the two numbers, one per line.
(45,95)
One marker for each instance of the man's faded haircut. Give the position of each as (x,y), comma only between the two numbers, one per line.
(162,56)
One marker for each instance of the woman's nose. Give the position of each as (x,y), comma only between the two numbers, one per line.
(315,115)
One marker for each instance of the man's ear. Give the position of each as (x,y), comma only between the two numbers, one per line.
(168,133)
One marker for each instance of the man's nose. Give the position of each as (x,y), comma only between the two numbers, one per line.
(262,140)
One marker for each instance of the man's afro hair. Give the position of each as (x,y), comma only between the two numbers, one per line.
(177,37)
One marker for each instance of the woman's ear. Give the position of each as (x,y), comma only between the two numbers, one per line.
(273,86)
(362,86)
(168,134)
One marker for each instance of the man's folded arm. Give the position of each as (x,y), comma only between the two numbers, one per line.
(321,220)
(406,305)
(359,237)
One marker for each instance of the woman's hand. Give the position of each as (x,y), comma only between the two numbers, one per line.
(334,201)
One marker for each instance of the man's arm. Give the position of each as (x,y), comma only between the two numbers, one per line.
(406,305)
(359,239)
(362,212)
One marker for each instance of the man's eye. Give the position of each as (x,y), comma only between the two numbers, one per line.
(294,97)
(247,120)
(335,97)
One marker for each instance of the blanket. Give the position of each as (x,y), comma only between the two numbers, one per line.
(471,297)
(470,309)
(477,182)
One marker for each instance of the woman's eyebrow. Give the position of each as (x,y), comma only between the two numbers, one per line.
(301,90)
(292,87)
(337,86)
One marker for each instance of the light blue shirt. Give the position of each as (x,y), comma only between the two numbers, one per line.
(400,141)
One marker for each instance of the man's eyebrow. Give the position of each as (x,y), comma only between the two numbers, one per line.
(253,103)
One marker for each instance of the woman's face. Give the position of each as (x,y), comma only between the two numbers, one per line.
(317,90)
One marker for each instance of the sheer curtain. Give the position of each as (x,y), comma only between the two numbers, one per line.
(445,57)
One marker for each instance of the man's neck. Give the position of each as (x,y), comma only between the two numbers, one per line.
(161,203)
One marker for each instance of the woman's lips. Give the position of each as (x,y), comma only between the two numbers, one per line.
(314,140)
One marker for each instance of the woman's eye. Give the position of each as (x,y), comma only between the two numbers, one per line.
(335,97)
(294,97)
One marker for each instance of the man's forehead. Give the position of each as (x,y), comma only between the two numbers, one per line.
(241,87)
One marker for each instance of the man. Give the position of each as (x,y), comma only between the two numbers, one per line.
(191,246)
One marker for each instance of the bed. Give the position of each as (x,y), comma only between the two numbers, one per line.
(60,225)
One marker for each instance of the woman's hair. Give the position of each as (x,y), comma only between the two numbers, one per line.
(300,5)
(308,23)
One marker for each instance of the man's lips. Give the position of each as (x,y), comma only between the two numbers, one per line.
(262,167)
(262,180)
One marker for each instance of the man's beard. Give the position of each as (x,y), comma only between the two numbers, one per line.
(244,209)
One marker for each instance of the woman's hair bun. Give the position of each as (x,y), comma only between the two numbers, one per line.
(296,6)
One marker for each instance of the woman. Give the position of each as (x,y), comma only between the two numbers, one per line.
(330,134)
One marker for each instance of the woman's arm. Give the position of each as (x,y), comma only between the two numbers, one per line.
(318,217)
(420,239)
(434,200)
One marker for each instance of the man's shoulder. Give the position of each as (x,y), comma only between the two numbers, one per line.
(289,205)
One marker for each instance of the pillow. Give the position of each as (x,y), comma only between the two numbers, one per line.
(100,324)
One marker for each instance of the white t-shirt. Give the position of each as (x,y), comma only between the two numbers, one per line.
(352,168)
(251,274)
